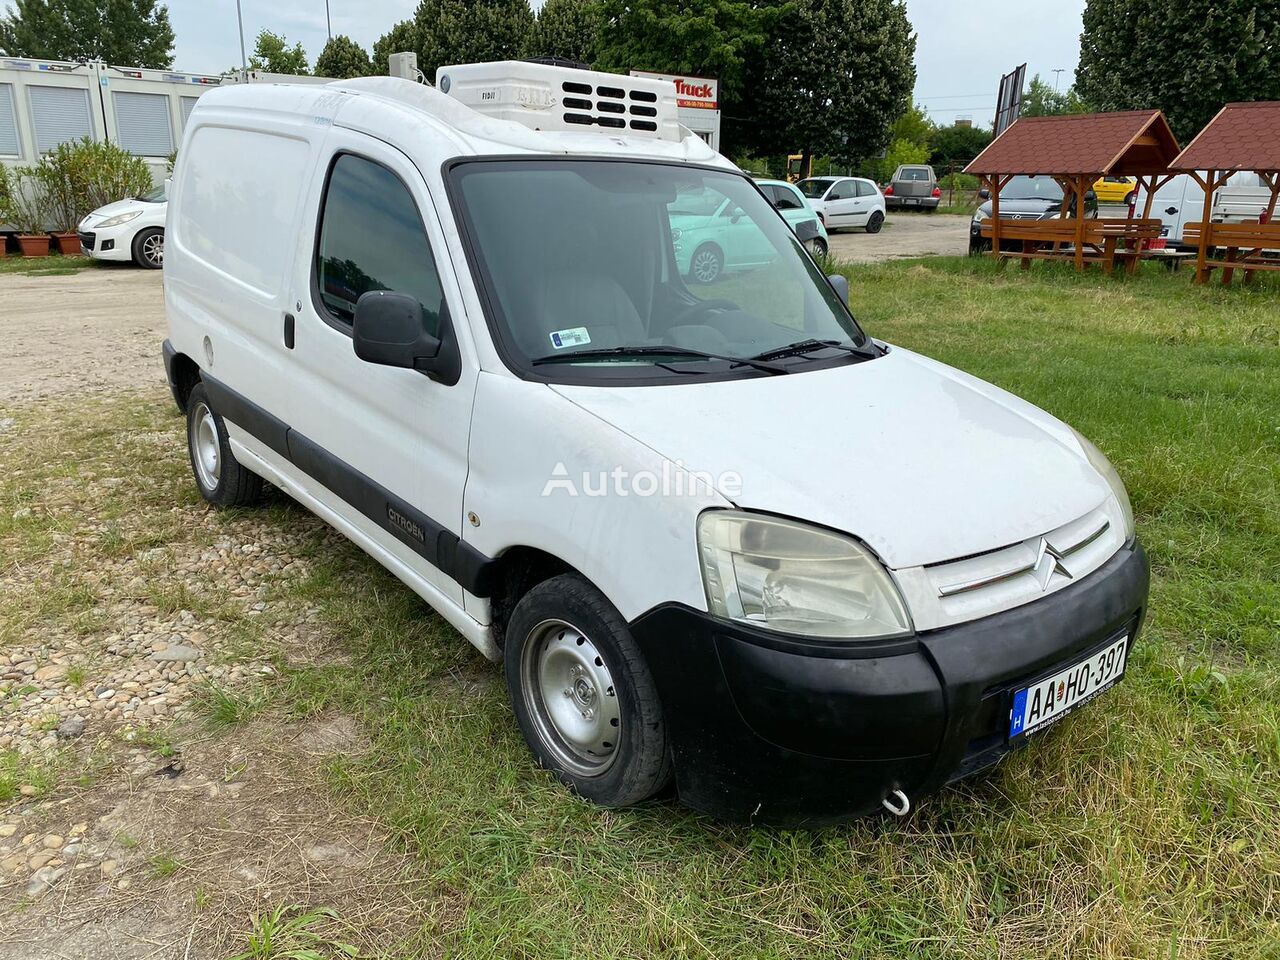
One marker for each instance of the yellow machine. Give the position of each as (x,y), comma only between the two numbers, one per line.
(797,169)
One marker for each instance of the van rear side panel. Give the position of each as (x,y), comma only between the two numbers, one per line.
(232,233)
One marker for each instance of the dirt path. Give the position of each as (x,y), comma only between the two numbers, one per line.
(905,235)
(98,329)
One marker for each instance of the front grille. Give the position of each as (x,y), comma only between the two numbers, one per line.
(87,240)
(955,591)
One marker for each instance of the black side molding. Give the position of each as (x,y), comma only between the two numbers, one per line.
(439,546)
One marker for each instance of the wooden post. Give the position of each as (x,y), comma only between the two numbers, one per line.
(1202,255)
(1080,191)
(1272,179)
(995,216)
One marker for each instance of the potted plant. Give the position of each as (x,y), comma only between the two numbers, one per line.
(6,194)
(62,176)
(28,210)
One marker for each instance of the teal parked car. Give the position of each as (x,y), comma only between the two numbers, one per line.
(711,236)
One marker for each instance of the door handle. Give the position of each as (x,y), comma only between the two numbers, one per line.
(288,330)
(1171,210)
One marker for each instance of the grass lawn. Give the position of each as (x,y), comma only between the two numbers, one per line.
(53,265)
(1146,826)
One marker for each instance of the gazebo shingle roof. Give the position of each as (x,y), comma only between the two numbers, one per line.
(1243,136)
(1127,143)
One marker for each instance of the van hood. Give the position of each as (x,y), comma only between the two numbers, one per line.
(921,462)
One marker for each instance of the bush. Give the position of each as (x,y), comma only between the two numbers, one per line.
(25,202)
(80,176)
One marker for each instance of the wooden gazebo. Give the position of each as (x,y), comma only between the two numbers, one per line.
(1242,137)
(1076,151)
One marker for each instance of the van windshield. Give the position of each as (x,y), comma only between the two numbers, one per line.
(601,270)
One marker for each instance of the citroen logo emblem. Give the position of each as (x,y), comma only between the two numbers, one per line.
(1048,562)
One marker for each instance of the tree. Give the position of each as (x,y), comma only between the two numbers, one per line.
(401,38)
(833,78)
(569,29)
(272,53)
(469,31)
(127,33)
(1041,100)
(342,58)
(951,148)
(913,126)
(1187,59)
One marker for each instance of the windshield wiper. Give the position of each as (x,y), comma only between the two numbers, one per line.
(760,363)
(805,346)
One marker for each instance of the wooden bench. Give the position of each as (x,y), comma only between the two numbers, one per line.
(1244,245)
(1105,240)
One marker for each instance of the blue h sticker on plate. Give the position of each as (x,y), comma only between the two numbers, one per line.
(1019,711)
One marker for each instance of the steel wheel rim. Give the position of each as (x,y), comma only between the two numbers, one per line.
(153,249)
(571,697)
(706,265)
(206,451)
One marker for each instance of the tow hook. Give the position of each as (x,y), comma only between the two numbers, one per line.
(897,803)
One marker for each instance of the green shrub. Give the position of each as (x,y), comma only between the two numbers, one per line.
(27,203)
(80,176)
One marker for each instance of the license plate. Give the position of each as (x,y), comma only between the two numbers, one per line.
(1052,698)
(911,200)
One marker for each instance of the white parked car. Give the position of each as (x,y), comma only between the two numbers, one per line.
(131,229)
(717,534)
(845,202)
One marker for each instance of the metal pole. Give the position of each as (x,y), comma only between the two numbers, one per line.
(1057,73)
(327,23)
(244,62)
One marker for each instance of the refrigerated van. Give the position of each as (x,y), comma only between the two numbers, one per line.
(722,538)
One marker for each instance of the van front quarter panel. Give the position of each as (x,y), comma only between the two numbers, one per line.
(545,473)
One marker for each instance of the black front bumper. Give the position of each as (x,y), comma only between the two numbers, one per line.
(797,732)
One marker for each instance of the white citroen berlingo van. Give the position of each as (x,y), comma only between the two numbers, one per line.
(720,536)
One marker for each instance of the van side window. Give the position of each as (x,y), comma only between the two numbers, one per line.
(371,238)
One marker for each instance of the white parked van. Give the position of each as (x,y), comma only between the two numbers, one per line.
(718,534)
(1181,201)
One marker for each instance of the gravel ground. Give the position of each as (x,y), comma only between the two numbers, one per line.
(904,235)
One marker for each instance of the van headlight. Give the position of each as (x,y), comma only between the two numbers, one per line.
(795,579)
(118,219)
(1098,460)
(979,215)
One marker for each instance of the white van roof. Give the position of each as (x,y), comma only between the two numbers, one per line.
(386,107)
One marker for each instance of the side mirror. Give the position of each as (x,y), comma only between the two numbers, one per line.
(807,230)
(984,194)
(390,329)
(840,284)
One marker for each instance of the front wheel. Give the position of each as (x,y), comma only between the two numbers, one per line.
(875,222)
(818,247)
(1131,199)
(583,695)
(148,248)
(707,263)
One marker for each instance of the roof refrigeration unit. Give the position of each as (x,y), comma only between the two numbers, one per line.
(548,97)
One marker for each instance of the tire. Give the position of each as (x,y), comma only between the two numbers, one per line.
(706,264)
(1129,200)
(219,477)
(568,652)
(818,247)
(148,248)
(875,222)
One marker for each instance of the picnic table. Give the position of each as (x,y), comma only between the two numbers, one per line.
(1235,246)
(1106,241)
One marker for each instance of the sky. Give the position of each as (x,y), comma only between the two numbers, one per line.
(959,56)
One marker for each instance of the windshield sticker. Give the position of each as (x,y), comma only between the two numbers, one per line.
(573,337)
